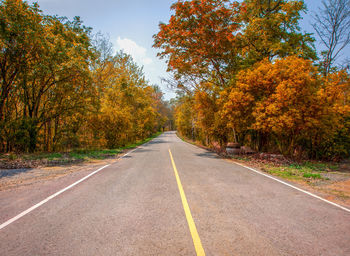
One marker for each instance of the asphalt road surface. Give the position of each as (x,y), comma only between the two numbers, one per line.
(137,206)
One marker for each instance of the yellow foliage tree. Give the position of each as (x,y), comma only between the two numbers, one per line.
(127,106)
(184,116)
(288,104)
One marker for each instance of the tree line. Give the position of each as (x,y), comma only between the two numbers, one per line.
(62,87)
(245,72)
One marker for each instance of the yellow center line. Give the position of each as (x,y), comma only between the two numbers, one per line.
(195,237)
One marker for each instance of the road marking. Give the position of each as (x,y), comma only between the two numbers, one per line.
(48,199)
(285,183)
(131,151)
(56,194)
(195,237)
(294,187)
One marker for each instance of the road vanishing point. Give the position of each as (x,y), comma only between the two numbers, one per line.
(169,197)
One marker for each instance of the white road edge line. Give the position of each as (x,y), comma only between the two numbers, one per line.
(48,199)
(294,187)
(57,193)
(285,183)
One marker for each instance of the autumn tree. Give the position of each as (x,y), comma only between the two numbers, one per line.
(206,43)
(162,107)
(184,115)
(331,140)
(211,40)
(62,87)
(246,73)
(129,109)
(51,58)
(288,105)
(56,82)
(20,28)
(207,107)
(198,43)
(271,29)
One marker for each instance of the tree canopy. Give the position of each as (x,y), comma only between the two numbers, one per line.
(62,88)
(248,74)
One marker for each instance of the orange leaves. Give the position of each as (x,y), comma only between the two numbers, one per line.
(197,35)
(277,96)
(205,106)
(288,99)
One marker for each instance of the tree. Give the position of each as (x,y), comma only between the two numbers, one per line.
(56,81)
(129,109)
(332,26)
(61,87)
(184,116)
(161,107)
(210,41)
(207,43)
(198,43)
(103,47)
(44,62)
(20,30)
(331,140)
(288,106)
(271,30)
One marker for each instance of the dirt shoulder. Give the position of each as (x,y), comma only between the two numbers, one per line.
(317,177)
(26,169)
(330,180)
(23,188)
(14,178)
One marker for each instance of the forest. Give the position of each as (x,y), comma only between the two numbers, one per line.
(246,73)
(63,87)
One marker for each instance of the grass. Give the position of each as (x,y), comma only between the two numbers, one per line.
(304,171)
(76,154)
(312,175)
(138,143)
(297,171)
(307,171)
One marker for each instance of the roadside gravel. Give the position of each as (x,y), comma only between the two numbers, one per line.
(14,178)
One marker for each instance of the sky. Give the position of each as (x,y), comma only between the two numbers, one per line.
(130,24)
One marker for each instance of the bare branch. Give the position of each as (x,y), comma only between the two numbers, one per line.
(332,26)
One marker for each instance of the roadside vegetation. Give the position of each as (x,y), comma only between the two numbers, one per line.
(62,88)
(30,160)
(307,171)
(246,73)
(331,179)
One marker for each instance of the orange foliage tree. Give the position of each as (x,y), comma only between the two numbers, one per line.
(199,41)
(206,43)
(287,104)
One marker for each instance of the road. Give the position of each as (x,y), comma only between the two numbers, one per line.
(135,207)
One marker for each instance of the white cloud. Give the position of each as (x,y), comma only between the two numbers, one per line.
(136,51)
(147,60)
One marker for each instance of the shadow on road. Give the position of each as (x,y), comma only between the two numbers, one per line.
(12,172)
(141,150)
(157,142)
(207,155)
(127,156)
